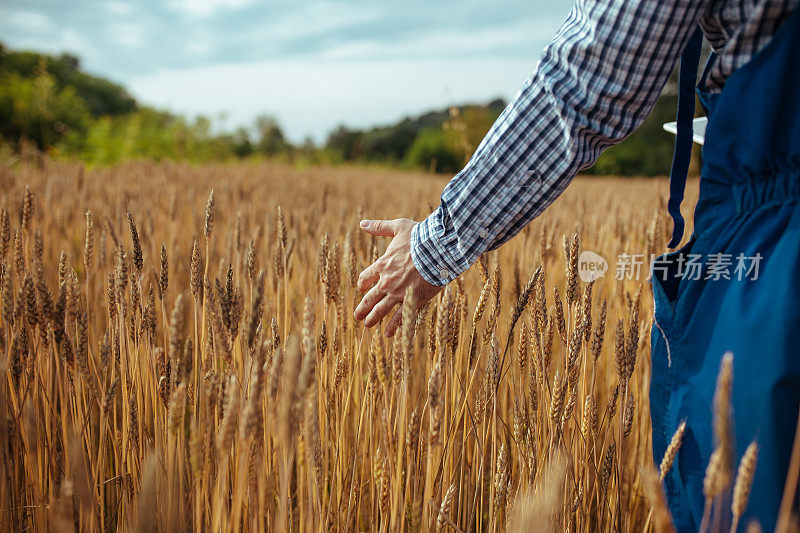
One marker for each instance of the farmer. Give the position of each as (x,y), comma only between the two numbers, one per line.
(596,82)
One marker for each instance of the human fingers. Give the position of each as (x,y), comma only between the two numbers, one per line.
(379,311)
(380,228)
(369,301)
(394,322)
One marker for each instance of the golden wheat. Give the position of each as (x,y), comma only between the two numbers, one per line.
(246,396)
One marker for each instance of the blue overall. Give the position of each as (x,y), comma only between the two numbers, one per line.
(748,209)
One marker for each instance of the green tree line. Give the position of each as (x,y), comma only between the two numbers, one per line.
(51,102)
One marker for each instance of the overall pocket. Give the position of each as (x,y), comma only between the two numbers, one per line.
(666,274)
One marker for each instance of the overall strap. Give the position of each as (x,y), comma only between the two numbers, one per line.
(683,140)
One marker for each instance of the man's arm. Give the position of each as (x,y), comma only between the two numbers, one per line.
(596,83)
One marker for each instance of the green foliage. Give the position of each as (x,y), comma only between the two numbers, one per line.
(242,145)
(647,152)
(435,149)
(473,123)
(50,101)
(150,134)
(439,141)
(38,109)
(442,141)
(101,96)
(55,104)
(389,143)
(271,140)
(343,143)
(437,118)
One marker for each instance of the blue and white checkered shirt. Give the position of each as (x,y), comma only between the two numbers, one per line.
(597,81)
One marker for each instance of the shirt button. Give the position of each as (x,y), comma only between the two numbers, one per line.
(483,234)
(444,273)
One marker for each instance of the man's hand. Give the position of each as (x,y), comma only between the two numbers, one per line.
(391,275)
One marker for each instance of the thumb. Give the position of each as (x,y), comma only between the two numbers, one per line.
(380,228)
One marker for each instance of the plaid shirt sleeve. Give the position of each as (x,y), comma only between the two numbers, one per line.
(595,84)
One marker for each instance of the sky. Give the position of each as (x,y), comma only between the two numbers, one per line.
(312,65)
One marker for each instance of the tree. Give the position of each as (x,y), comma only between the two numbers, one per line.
(647,152)
(242,144)
(100,96)
(388,143)
(435,150)
(271,140)
(344,142)
(37,109)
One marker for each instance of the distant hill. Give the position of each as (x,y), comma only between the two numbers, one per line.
(443,141)
(434,119)
(440,140)
(50,102)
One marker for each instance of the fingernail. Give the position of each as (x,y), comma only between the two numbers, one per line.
(365,223)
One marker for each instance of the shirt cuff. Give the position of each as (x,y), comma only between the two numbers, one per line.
(433,254)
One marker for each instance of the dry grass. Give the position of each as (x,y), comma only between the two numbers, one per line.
(195,364)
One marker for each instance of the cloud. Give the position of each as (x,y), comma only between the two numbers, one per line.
(524,38)
(206,8)
(312,63)
(346,30)
(29,20)
(118,7)
(130,35)
(74,41)
(311,98)
(198,47)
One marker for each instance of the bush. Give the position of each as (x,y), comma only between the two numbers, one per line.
(647,152)
(434,149)
(37,109)
(150,134)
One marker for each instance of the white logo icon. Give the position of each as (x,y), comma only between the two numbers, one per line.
(591,266)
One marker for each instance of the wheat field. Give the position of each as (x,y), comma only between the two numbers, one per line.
(181,354)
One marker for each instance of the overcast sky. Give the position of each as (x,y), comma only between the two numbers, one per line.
(311,64)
